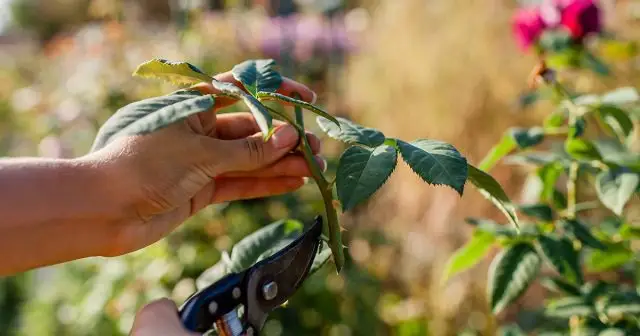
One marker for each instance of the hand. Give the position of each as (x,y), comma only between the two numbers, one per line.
(167,176)
(159,318)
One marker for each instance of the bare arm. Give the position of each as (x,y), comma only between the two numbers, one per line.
(54,210)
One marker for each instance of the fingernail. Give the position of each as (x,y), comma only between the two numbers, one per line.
(315,98)
(322,162)
(286,136)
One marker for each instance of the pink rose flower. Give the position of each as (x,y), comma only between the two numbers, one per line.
(527,25)
(580,17)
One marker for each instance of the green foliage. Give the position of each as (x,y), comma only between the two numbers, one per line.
(613,257)
(526,138)
(581,149)
(257,75)
(152,114)
(351,133)
(542,212)
(435,162)
(567,307)
(615,187)
(302,104)
(257,246)
(13,290)
(621,305)
(516,137)
(470,254)
(592,159)
(261,243)
(618,121)
(562,256)
(493,227)
(263,117)
(362,171)
(582,233)
(621,96)
(560,286)
(491,189)
(511,273)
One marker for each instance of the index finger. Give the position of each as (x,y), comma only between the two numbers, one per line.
(289,87)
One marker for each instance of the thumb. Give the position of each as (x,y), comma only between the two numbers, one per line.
(159,318)
(253,152)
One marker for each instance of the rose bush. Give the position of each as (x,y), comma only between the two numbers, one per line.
(580,236)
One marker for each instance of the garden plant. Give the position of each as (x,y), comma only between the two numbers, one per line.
(583,158)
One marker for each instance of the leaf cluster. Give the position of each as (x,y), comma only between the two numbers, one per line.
(584,143)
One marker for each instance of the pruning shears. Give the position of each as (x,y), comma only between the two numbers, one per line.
(239,303)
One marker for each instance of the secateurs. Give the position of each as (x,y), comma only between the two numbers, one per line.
(239,303)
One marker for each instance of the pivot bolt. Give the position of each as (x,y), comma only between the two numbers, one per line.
(270,290)
(213,307)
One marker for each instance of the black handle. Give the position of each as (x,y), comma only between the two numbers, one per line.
(200,311)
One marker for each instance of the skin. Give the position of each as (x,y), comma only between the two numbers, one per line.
(138,189)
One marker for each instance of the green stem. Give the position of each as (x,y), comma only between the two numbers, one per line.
(573,169)
(557,131)
(598,165)
(637,274)
(571,190)
(335,235)
(573,108)
(299,117)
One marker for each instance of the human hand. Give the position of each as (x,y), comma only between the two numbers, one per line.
(167,176)
(159,318)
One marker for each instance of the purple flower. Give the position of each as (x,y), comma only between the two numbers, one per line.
(580,17)
(527,25)
(308,35)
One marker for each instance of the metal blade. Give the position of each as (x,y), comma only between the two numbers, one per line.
(274,280)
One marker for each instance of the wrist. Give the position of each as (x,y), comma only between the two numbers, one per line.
(107,200)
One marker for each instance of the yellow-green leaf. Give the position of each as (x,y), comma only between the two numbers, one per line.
(469,254)
(174,72)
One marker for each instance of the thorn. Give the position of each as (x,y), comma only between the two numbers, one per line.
(541,74)
(342,229)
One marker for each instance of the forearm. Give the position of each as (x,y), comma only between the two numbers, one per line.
(54,210)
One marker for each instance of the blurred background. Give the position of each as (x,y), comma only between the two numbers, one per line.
(443,69)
